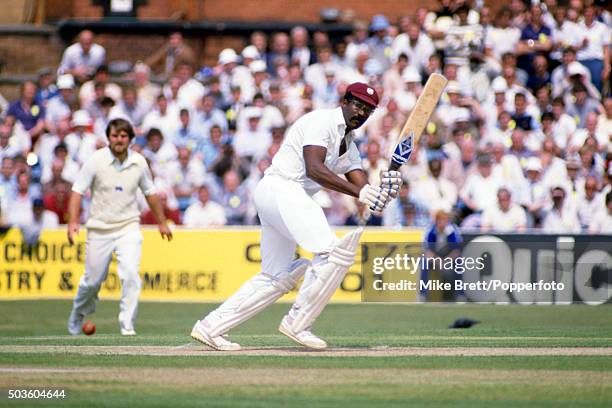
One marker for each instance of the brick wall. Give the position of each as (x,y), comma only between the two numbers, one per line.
(257,10)
(26,54)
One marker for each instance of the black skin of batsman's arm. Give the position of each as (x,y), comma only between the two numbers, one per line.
(314,158)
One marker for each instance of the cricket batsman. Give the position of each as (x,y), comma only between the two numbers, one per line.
(318,147)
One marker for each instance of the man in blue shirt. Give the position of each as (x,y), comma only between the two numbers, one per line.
(28,112)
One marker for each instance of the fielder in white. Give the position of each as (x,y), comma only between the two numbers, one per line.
(317,148)
(113,174)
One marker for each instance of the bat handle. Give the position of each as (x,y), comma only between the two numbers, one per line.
(394,166)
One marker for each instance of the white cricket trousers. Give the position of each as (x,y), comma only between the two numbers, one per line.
(289,217)
(99,248)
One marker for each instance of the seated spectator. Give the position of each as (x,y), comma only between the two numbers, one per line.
(7,149)
(253,141)
(535,38)
(46,86)
(602,220)
(147,90)
(432,189)
(131,107)
(480,188)
(61,106)
(39,220)
(590,130)
(185,175)
(505,216)
(171,214)
(521,116)
(167,119)
(561,217)
(405,210)
(373,163)
(8,183)
(189,90)
(56,200)
(101,80)
(81,142)
(581,104)
(211,148)
(205,212)
(28,112)
(19,211)
(532,194)
(71,168)
(541,76)
(441,239)
(234,198)
(589,202)
(57,169)
(158,151)
(207,115)
(563,124)
(82,58)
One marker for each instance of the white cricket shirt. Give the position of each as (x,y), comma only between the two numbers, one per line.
(323,127)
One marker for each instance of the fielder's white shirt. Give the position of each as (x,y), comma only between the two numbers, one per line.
(113,188)
(325,128)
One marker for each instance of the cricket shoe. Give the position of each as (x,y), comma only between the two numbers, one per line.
(75,323)
(305,337)
(219,343)
(128,332)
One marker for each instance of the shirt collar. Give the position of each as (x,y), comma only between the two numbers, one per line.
(131,158)
(339,120)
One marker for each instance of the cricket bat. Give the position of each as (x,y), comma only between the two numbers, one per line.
(421,112)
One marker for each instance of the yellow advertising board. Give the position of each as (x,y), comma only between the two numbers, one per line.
(198,265)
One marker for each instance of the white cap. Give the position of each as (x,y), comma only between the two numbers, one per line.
(533,164)
(463,115)
(143,68)
(411,74)
(65,81)
(576,68)
(257,66)
(227,56)
(80,118)
(499,85)
(252,112)
(250,52)
(453,87)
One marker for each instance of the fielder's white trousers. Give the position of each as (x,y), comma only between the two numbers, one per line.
(99,248)
(289,217)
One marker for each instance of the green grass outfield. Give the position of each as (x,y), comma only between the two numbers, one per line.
(382,356)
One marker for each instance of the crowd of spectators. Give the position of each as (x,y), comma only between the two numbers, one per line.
(520,140)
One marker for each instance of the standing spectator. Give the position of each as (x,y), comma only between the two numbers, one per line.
(505,216)
(535,38)
(114,174)
(28,112)
(595,50)
(172,54)
(205,212)
(561,216)
(464,39)
(82,58)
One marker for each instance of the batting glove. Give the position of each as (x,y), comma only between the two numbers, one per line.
(374,198)
(403,150)
(391,181)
